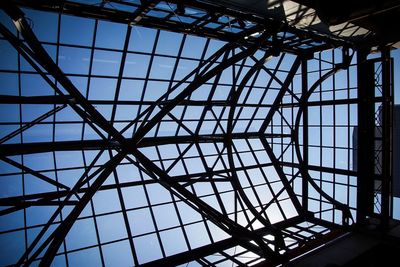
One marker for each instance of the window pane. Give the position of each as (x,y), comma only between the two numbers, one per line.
(142,39)
(162,68)
(118,254)
(110,35)
(74,60)
(169,43)
(69,34)
(148,248)
(141,221)
(136,65)
(106,63)
(111,227)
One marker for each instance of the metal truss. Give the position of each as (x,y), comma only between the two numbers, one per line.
(245,164)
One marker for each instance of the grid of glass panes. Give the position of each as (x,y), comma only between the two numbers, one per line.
(154,61)
(331,129)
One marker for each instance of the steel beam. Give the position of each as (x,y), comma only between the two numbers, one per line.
(237,231)
(62,230)
(198,81)
(241,235)
(43,58)
(279,97)
(234,97)
(44,99)
(212,176)
(100,144)
(31,124)
(304,89)
(302,166)
(196,28)
(319,168)
(28,256)
(365,144)
(59,100)
(34,173)
(193,254)
(202,68)
(282,176)
(387,124)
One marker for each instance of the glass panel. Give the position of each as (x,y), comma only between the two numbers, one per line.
(155,90)
(106,63)
(12,246)
(169,43)
(141,221)
(69,34)
(142,39)
(82,234)
(106,201)
(9,54)
(110,35)
(74,60)
(148,248)
(87,257)
(102,88)
(136,65)
(118,254)
(162,68)
(44,24)
(173,241)
(165,216)
(111,227)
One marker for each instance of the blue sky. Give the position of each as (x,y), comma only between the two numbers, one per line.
(157,230)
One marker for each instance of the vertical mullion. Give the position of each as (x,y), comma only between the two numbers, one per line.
(92,48)
(178,58)
(54,128)
(150,207)
(124,213)
(320,132)
(280,112)
(213,185)
(334,133)
(22,141)
(94,217)
(292,123)
(304,86)
(348,135)
(386,136)
(90,70)
(274,196)
(241,108)
(146,80)
(194,192)
(120,73)
(218,120)
(174,204)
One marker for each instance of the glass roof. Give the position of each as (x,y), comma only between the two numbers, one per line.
(146,146)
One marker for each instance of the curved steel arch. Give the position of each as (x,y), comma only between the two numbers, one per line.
(254,241)
(302,165)
(234,97)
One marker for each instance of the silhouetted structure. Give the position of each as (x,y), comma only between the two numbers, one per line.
(167,133)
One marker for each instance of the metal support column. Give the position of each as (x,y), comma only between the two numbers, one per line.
(365,137)
(304,86)
(386,137)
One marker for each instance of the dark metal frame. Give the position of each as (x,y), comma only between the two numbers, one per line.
(269,243)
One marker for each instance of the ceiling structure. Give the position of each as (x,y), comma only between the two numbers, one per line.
(189,133)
